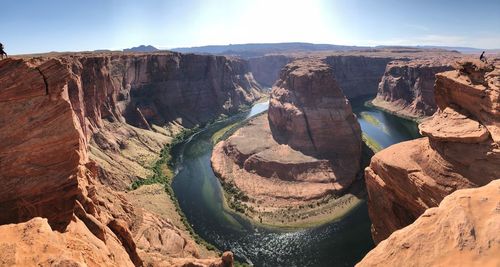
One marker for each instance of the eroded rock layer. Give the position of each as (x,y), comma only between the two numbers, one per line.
(407,87)
(462,231)
(309,112)
(270,172)
(306,148)
(460,150)
(77,129)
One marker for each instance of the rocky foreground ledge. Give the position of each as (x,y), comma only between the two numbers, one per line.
(292,165)
(461,149)
(462,231)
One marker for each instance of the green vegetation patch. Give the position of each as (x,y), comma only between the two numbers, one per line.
(163,172)
(235,198)
(163,167)
(371,143)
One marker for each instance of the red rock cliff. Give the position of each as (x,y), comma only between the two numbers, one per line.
(309,112)
(461,149)
(407,87)
(462,231)
(55,110)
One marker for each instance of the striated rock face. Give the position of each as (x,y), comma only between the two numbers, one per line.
(266,69)
(460,150)
(162,88)
(462,231)
(358,75)
(69,146)
(306,148)
(407,87)
(309,112)
(43,144)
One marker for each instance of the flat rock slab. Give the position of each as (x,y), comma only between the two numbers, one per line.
(449,125)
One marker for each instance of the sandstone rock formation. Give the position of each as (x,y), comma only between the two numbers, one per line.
(76,129)
(309,112)
(462,231)
(307,149)
(407,87)
(272,173)
(461,149)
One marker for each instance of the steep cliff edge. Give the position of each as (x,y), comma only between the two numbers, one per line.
(304,152)
(407,87)
(462,231)
(461,149)
(76,129)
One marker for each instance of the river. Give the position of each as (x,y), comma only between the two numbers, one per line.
(339,243)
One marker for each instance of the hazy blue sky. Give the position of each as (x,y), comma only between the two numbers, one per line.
(72,25)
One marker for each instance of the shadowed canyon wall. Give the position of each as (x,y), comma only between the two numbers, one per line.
(266,69)
(358,75)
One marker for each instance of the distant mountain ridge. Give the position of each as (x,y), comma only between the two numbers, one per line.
(260,49)
(141,48)
(461,49)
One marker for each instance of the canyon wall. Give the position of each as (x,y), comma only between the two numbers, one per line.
(304,151)
(76,129)
(460,150)
(462,231)
(266,69)
(358,75)
(407,87)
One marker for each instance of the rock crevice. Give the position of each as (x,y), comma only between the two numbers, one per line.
(44,81)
